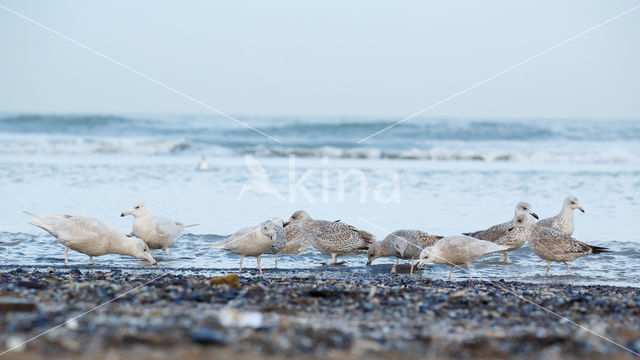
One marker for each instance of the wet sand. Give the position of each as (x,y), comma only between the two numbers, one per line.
(329,314)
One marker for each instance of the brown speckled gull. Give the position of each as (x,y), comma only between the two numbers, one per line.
(332,237)
(401,244)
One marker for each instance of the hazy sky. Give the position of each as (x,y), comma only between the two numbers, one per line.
(323,58)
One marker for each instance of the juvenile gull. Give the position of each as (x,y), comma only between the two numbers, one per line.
(563,222)
(457,250)
(516,235)
(297,239)
(280,241)
(90,236)
(497,231)
(552,245)
(401,244)
(332,237)
(265,238)
(158,233)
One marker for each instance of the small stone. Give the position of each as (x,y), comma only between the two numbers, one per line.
(208,336)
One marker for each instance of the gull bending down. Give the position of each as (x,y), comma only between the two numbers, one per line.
(158,233)
(401,244)
(265,238)
(457,250)
(90,236)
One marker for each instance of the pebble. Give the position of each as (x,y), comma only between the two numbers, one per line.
(312,314)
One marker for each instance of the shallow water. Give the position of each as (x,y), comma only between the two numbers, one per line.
(450,176)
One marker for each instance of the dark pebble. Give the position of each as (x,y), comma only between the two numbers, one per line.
(208,336)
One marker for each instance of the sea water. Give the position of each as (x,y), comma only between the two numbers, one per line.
(443,176)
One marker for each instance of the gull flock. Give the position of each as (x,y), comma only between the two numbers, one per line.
(549,238)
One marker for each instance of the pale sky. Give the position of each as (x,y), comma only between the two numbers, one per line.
(370,58)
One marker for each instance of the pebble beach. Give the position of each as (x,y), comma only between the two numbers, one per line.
(331,314)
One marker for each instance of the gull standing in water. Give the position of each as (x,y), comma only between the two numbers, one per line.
(90,236)
(158,233)
(563,222)
(497,231)
(552,245)
(266,238)
(401,244)
(457,250)
(333,238)
(516,234)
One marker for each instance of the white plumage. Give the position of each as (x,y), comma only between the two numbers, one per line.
(158,233)
(457,250)
(90,236)
(266,238)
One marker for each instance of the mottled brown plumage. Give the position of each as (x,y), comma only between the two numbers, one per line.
(332,237)
(402,244)
(552,245)
(497,231)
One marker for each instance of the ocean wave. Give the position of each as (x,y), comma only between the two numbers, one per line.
(62,146)
(331,131)
(447,154)
(497,152)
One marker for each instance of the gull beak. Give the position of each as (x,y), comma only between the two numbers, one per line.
(535,215)
(150,259)
(285,224)
(510,229)
(421,263)
(581,209)
(369,262)
(124,213)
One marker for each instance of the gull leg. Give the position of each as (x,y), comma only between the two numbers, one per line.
(450,272)
(411,263)
(259,268)
(91,258)
(66,250)
(334,258)
(393,268)
(276,261)
(469,267)
(568,269)
(241,258)
(506,257)
(548,267)
(167,251)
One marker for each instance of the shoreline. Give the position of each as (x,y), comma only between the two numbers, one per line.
(333,314)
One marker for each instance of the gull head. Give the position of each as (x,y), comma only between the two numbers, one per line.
(141,251)
(298,217)
(572,203)
(525,208)
(522,221)
(374,252)
(426,255)
(139,209)
(268,229)
(278,221)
